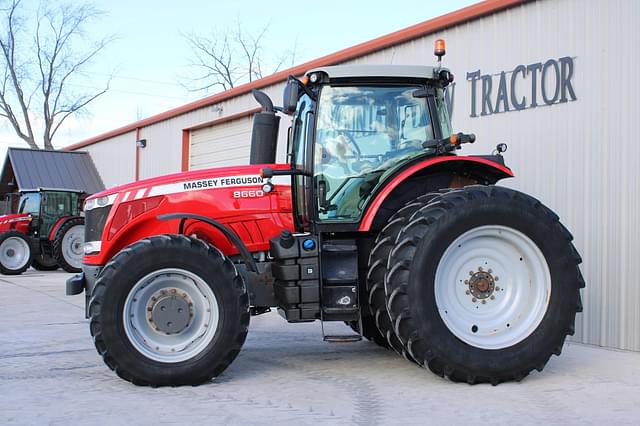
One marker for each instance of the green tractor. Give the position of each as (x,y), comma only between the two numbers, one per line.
(43,229)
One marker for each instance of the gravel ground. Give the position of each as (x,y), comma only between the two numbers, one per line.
(50,373)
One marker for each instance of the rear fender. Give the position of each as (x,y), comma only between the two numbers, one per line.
(427,176)
(57,225)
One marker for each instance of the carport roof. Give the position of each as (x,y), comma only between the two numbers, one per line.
(31,169)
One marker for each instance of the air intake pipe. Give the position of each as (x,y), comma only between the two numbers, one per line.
(264,136)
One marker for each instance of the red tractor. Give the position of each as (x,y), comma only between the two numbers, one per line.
(43,229)
(373,220)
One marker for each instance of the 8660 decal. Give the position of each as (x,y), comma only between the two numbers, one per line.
(248,194)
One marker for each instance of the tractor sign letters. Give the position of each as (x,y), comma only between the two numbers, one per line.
(549,83)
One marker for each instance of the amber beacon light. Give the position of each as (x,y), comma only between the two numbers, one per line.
(439,49)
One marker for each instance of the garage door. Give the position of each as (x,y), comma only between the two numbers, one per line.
(225,144)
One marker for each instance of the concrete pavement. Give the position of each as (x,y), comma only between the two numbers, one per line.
(50,373)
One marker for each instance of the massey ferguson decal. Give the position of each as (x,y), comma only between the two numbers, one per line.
(223,182)
(208,183)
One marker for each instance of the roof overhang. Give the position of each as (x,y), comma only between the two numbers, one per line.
(377,71)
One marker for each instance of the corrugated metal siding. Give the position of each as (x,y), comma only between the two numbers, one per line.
(164,140)
(580,158)
(115,159)
(222,145)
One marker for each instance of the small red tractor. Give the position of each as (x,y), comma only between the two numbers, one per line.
(373,220)
(44,229)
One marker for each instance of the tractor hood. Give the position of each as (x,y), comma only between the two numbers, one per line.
(233,196)
(13,221)
(223,177)
(9,218)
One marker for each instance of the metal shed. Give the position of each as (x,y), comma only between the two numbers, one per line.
(31,169)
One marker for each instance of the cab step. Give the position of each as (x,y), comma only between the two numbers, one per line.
(349,338)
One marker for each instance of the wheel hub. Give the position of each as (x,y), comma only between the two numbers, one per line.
(170,311)
(11,252)
(482,284)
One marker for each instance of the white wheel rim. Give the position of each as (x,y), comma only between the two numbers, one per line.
(142,330)
(72,243)
(14,253)
(509,261)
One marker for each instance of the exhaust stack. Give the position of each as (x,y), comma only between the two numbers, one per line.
(264,136)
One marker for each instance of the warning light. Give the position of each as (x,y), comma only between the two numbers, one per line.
(439,49)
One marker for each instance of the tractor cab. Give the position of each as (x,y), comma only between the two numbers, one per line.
(351,130)
(46,207)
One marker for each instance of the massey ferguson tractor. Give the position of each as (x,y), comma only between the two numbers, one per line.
(374,220)
(43,229)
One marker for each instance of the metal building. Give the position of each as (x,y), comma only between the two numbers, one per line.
(555,79)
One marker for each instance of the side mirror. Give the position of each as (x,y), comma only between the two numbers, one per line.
(290,97)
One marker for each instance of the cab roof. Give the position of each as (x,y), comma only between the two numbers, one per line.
(389,71)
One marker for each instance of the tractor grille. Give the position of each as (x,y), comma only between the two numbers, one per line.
(94,221)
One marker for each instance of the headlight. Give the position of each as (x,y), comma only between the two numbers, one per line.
(102,201)
(94,203)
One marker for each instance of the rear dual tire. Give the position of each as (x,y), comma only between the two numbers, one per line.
(453,261)
(44,262)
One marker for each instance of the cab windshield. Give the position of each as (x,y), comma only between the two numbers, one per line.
(363,134)
(30,203)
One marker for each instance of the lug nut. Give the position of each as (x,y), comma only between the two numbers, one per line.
(496,278)
(484,301)
(466,282)
(467,292)
(480,268)
(470,272)
(474,300)
(497,288)
(493,297)
(489,271)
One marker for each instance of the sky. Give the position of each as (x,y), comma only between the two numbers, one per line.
(150,56)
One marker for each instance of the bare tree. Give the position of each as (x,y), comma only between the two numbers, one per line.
(230,57)
(41,71)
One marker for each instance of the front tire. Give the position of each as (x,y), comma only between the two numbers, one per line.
(15,253)
(169,310)
(483,285)
(68,245)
